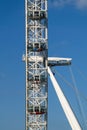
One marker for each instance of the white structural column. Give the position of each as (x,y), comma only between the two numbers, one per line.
(36,58)
(64,103)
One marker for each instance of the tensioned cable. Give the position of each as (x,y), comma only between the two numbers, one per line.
(69,84)
(77,95)
(75,89)
(80,72)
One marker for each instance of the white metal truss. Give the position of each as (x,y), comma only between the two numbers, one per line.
(37,69)
(36,64)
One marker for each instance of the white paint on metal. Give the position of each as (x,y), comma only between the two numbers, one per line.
(59,59)
(64,103)
(50,59)
(36,64)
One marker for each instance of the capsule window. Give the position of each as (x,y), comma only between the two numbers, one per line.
(37,78)
(36,109)
(36,45)
(42,14)
(30,14)
(36,14)
(30,46)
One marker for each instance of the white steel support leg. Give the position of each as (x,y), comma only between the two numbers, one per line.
(64,103)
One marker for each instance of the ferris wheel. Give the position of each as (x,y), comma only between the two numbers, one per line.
(38,66)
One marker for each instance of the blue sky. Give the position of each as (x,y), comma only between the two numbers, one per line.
(67,38)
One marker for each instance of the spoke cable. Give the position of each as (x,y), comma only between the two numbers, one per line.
(74,87)
(78,97)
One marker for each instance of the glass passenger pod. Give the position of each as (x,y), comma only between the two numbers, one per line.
(35,15)
(34,86)
(37,110)
(37,47)
(59,63)
(38,79)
